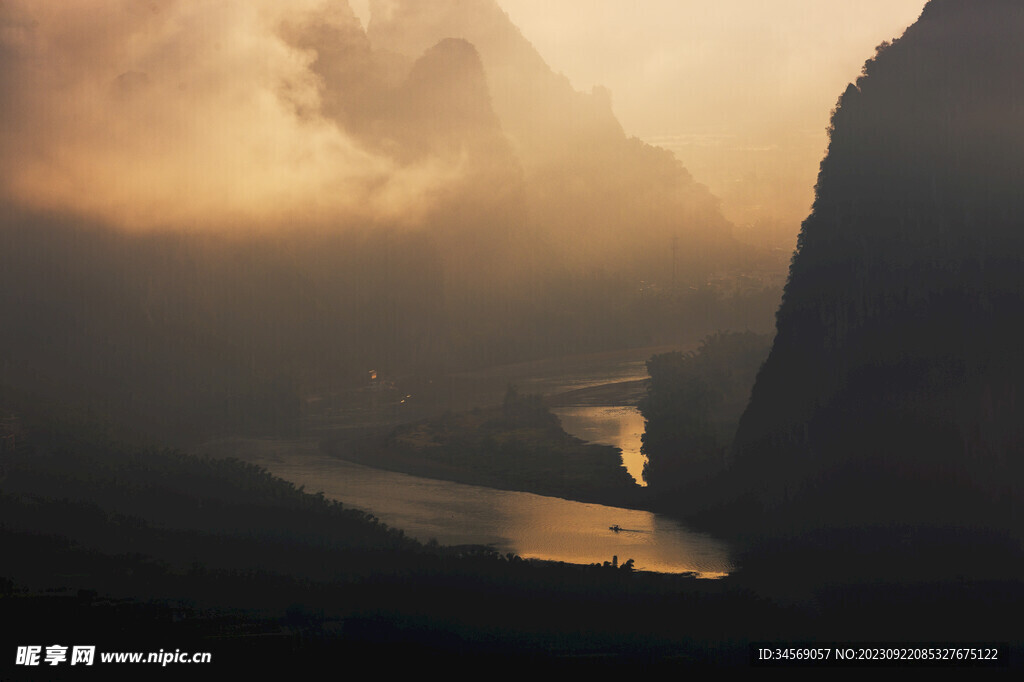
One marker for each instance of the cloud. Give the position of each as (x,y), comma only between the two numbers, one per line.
(190,113)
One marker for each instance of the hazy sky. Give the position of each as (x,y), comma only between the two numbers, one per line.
(740,90)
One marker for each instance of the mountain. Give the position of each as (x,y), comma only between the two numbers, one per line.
(892,392)
(288,202)
(351,78)
(524,88)
(431,110)
(594,193)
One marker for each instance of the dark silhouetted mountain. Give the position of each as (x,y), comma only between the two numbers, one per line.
(694,401)
(892,393)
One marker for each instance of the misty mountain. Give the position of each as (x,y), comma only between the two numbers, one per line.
(207,217)
(524,88)
(891,394)
(593,192)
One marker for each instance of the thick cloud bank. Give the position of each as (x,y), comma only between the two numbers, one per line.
(187,114)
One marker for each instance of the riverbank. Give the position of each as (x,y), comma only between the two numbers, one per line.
(516,449)
(616,394)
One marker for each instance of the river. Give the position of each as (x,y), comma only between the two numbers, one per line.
(532,526)
(595,397)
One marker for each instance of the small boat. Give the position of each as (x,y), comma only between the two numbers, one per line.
(615,528)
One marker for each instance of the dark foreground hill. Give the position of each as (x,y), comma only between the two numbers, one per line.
(892,393)
(141,550)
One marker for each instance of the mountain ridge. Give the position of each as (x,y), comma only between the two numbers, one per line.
(892,379)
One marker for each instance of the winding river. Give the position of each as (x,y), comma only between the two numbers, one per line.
(532,526)
(595,397)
